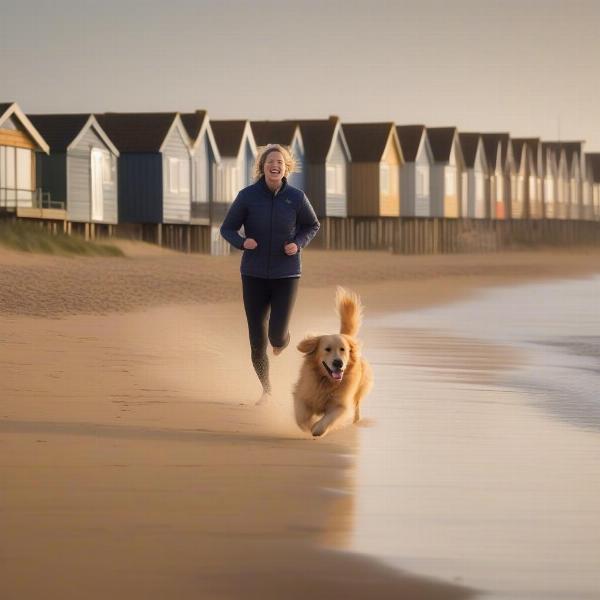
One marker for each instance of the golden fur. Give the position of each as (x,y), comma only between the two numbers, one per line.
(334,377)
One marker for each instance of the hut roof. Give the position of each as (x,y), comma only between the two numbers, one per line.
(59,130)
(519,145)
(469,143)
(502,138)
(228,135)
(367,141)
(193,123)
(317,136)
(137,132)
(441,140)
(4,106)
(533,146)
(491,143)
(8,109)
(410,139)
(273,132)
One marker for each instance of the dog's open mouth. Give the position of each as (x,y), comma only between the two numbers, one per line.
(336,374)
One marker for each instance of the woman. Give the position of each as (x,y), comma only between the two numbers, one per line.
(278,222)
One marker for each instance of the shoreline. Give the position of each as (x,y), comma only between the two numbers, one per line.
(133,452)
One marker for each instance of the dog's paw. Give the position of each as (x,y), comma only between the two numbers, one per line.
(318,429)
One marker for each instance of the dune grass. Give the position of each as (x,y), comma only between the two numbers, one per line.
(29,237)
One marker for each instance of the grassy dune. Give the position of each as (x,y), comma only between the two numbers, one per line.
(28,237)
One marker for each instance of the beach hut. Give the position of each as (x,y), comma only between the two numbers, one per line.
(562,179)
(501,170)
(587,189)
(415,187)
(80,173)
(237,149)
(574,156)
(374,183)
(284,133)
(446,172)
(495,192)
(475,203)
(593,164)
(550,187)
(20,141)
(204,164)
(327,165)
(533,207)
(518,208)
(153,168)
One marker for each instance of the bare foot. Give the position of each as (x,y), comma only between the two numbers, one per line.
(265,398)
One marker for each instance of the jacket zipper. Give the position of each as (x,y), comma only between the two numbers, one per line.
(270,236)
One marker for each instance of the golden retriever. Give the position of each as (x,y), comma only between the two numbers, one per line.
(334,378)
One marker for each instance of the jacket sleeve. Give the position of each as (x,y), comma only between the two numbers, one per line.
(234,219)
(308,224)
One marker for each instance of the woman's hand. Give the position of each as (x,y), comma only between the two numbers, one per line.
(250,244)
(290,249)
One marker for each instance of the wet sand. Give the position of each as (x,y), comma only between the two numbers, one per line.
(133,461)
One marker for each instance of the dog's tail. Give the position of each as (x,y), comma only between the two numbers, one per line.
(349,308)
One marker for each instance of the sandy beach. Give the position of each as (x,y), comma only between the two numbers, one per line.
(133,461)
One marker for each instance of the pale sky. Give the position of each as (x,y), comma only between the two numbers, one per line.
(529,67)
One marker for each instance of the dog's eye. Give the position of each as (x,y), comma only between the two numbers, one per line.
(327,349)
(342,349)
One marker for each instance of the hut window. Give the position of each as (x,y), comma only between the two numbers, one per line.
(233,189)
(520,188)
(548,190)
(330,179)
(184,176)
(384,178)
(422,181)
(479,187)
(23,169)
(499,189)
(179,176)
(335,179)
(532,188)
(173,175)
(450,181)
(574,194)
(10,171)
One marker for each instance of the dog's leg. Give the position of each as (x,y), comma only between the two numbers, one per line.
(303,415)
(356,413)
(331,417)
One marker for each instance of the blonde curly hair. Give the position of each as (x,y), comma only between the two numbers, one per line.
(264,151)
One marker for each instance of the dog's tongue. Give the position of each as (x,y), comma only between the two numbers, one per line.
(337,375)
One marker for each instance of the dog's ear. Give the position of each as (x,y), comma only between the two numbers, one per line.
(308,345)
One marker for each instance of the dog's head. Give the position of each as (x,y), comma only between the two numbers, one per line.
(332,355)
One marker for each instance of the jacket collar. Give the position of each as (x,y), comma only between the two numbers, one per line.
(261,182)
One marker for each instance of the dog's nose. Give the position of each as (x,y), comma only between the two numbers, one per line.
(337,363)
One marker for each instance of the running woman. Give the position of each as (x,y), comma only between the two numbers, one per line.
(278,221)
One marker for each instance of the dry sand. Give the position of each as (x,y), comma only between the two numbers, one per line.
(133,463)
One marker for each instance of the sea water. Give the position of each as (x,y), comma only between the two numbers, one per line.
(480,459)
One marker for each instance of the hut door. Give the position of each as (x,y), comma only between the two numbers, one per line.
(97,195)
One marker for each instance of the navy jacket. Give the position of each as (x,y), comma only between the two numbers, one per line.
(273,220)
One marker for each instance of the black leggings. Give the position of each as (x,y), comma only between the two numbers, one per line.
(262,296)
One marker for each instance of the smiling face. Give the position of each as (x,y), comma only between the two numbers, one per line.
(332,354)
(274,169)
